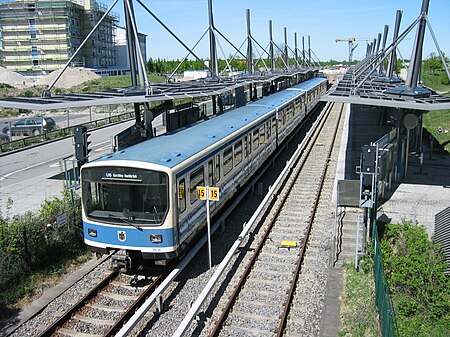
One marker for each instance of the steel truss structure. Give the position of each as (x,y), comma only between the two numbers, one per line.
(368,83)
(142,92)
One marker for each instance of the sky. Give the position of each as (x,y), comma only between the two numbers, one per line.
(323,20)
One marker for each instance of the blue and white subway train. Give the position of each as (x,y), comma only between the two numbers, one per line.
(143,200)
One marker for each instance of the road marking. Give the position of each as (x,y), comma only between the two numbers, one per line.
(26,168)
(103,148)
(3,177)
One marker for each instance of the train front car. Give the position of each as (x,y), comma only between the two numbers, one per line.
(126,207)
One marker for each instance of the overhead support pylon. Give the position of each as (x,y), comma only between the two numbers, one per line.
(213,66)
(309,50)
(379,42)
(303,52)
(271,51)
(410,88)
(383,46)
(250,66)
(286,49)
(393,58)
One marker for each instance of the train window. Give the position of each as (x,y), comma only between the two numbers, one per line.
(210,173)
(217,169)
(255,139)
(262,134)
(182,195)
(125,195)
(268,129)
(197,178)
(274,125)
(237,152)
(227,160)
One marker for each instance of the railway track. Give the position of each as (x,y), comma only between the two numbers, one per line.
(95,320)
(272,295)
(104,310)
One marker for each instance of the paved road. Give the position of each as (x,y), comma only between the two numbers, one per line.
(26,177)
(64,120)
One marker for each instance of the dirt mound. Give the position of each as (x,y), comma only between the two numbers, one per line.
(70,78)
(14,79)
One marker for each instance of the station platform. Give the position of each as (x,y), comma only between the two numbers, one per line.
(418,197)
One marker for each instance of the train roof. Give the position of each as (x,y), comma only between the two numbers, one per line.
(173,148)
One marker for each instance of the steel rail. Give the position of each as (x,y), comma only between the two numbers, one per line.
(280,181)
(301,253)
(52,329)
(77,306)
(137,304)
(225,312)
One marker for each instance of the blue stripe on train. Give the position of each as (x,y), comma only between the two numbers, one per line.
(129,236)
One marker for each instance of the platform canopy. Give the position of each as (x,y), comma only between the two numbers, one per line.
(153,93)
(375,92)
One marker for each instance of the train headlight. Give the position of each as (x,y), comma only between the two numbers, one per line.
(92,232)
(156,238)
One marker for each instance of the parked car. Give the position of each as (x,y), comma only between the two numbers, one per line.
(31,126)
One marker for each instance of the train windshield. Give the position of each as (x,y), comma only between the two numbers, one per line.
(125,195)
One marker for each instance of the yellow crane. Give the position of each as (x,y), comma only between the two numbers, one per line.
(351,47)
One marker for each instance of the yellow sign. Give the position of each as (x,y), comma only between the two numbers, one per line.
(214,193)
(201,192)
(204,195)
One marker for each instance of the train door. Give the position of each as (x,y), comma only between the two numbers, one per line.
(216,173)
(181,195)
(210,181)
(181,212)
(213,171)
(247,145)
(277,127)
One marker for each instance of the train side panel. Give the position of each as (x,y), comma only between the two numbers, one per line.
(225,155)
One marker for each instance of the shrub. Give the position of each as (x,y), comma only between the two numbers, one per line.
(33,243)
(420,289)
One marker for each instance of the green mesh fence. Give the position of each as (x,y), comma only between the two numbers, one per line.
(382,300)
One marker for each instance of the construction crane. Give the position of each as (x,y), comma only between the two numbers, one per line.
(351,46)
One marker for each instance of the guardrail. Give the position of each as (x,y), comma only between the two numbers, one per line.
(61,133)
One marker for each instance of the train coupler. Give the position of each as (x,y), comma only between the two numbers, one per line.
(121,263)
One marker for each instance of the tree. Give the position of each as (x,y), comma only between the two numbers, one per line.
(433,63)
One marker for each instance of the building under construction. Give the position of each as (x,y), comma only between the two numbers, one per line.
(41,35)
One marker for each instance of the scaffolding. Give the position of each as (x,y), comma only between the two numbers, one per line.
(41,35)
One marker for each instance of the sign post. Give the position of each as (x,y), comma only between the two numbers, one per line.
(208,193)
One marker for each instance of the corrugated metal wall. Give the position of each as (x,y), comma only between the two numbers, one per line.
(442,233)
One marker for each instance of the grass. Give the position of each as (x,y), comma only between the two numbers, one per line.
(438,119)
(358,311)
(437,80)
(112,82)
(437,124)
